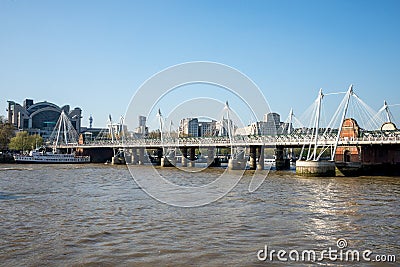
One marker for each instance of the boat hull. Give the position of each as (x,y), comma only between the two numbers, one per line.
(49,162)
(52,159)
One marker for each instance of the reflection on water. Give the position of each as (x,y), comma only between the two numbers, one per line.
(97,215)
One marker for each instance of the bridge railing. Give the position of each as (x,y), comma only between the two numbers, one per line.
(294,139)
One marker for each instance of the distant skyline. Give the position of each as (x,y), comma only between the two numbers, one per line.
(96,54)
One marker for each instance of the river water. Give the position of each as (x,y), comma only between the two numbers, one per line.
(91,215)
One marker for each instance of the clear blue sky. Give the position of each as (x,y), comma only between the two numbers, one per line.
(95,54)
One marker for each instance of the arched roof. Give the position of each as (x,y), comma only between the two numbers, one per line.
(42,105)
(44,109)
(44,117)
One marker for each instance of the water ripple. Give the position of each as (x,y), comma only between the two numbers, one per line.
(95,215)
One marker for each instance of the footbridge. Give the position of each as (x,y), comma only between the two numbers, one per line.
(354,135)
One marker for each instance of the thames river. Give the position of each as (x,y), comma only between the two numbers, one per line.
(91,215)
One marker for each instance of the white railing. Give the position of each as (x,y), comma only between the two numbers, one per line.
(282,140)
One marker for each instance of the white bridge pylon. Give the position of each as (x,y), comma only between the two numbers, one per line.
(385,113)
(64,132)
(315,148)
(351,106)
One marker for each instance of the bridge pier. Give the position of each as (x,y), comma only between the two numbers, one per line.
(237,163)
(253,157)
(210,156)
(281,163)
(184,156)
(315,168)
(158,156)
(118,158)
(141,156)
(168,160)
(135,158)
(165,162)
(128,156)
(260,151)
(192,157)
(256,153)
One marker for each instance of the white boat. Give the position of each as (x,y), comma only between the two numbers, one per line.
(49,157)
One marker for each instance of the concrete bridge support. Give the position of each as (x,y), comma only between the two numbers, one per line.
(210,156)
(281,162)
(235,164)
(315,168)
(253,157)
(192,157)
(238,163)
(158,156)
(184,156)
(128,156)
(165,162)
(119,157)
(260,152)
(168,160)
(135,157)
(141,156)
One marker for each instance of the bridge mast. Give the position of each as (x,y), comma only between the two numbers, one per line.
(161,125)
(63,132)
(386,107)
(111,128)
(121,133)
(58,135)
(229,122)
(320,96)
(227,108)
(347,97)
(289,131)
(291,114)
(65,127)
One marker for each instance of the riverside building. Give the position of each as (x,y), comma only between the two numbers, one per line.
(41,117)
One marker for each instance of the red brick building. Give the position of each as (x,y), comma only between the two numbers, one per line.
(350,130)
(367,159)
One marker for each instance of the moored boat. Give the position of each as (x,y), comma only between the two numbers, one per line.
(49,157)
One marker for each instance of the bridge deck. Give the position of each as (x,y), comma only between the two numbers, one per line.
(267,141)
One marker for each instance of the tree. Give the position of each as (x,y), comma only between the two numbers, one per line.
(6,133)
(36,140)
(23,141)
